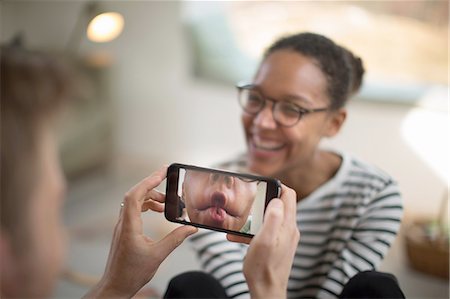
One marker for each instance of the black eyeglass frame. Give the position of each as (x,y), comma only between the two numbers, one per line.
(301,111)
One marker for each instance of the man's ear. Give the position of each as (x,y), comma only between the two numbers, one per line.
(9,278)
(335,122)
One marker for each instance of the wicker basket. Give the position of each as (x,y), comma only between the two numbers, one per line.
(427,255)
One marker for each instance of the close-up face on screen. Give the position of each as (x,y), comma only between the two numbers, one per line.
(221,200)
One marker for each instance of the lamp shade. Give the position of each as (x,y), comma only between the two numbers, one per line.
(105,27)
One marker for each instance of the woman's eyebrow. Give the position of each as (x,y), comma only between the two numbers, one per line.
(287,97)
(297,99)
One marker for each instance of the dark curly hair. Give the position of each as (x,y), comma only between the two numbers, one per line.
(343,71)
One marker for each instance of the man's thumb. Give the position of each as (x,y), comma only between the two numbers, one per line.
(175,238)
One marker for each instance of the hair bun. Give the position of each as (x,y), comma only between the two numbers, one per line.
(357,73)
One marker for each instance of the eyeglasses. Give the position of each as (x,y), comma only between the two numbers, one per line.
(284,113)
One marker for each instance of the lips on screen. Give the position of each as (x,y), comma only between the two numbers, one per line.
(221,200)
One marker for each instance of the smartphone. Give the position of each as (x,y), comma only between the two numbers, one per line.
(217,199)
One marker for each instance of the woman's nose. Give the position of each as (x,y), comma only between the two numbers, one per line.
(264,118)
(227,180)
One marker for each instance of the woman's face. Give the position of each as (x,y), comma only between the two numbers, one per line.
(217,200)
(286,75)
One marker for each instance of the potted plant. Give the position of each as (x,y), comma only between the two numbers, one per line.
(427,243)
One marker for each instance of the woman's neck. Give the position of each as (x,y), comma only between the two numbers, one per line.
(305,178)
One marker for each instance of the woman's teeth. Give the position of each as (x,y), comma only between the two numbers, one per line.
(268,145)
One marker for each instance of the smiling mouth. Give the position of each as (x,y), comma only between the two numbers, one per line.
(267,145)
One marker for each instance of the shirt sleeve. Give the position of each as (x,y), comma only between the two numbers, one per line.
(370,240)
(223,260)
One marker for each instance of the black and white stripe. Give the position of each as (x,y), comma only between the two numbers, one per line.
(346,226)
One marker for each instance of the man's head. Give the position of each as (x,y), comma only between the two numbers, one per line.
(33,88)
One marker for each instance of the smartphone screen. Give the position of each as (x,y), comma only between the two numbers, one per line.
(219,200)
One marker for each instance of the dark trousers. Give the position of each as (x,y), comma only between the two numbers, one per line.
(372,284)
(368,284)
(195,284)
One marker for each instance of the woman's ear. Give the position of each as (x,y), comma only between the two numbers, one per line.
(335,122)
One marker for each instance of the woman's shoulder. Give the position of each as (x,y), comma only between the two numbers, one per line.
(365,181)
(369,180)
(358,169)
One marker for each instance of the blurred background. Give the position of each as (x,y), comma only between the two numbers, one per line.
(156,85)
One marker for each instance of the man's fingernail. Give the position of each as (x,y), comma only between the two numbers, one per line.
(276,203)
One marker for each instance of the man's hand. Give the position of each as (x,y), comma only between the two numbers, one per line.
(271,252)
(135,257)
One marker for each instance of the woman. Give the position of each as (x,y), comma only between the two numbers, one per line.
(348,212)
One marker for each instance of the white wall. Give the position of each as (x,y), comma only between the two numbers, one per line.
(163,115)
(376,133)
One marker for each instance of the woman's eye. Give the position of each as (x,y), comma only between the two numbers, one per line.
(254,100)
(289,110)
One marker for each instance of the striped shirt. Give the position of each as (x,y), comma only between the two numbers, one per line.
(346,226)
